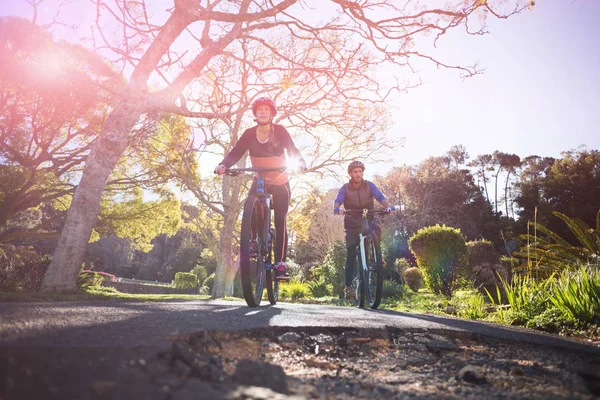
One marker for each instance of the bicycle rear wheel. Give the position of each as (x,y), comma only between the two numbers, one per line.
(252,255)
(373,274)
(272,282)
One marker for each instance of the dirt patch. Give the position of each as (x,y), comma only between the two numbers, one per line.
(339,363)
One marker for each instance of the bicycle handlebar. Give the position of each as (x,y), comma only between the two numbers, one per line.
(365,212)
(237,171)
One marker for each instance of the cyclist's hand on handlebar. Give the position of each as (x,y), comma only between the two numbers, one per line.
(391,210)
(220,169)
(338,211)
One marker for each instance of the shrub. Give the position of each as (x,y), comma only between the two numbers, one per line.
(392,290)
(332,268)
(441,253)
(293,290)
(208,282)
(185,280)
(319,288)
(401,265)
(488,279)
(509,263)
(200,272)
(87,278)
(414,278)
(480,252)
(204,290)
(295,270)
(21,268)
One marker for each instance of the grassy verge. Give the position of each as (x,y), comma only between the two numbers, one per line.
(93,293)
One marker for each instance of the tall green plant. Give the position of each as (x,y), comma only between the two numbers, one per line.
(526,296)
(553,253)
(577,294)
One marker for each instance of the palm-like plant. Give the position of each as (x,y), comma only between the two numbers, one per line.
(553,253)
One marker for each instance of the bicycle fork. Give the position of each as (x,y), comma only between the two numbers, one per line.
(363,263)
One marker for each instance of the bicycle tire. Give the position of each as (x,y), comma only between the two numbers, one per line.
(373,275)
(252,266)
(272,283)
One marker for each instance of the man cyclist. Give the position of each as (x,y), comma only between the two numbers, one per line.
(357,194)
(265,143)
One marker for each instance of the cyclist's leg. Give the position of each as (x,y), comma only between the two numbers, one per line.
(281,201)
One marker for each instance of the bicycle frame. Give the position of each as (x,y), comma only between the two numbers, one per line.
(264,261)
(363,289)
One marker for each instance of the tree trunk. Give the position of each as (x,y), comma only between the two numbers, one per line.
(487,195)
(225,256)
(81,217)
(506,193)
(231,274)
(231,210)
(496,191)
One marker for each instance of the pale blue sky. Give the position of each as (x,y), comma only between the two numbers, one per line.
(539,94)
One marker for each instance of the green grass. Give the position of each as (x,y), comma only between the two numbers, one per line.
(93,293)
(423,301)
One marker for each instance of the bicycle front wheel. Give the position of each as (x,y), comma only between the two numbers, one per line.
(272,281)
(372,274)
(252,254)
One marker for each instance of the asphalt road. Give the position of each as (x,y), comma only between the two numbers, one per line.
(126,324)
(69,350)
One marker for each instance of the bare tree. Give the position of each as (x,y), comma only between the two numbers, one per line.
(161,65)
(331,121)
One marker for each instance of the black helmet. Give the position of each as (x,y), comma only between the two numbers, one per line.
(355,164)
(264,101)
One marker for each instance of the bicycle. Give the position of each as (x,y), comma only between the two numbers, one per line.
(256,241)
(369,277)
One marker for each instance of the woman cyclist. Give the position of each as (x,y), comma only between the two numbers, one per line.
(267,143)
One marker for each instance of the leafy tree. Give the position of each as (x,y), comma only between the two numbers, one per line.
(435,193)
(54,98)
(508,163)
(569,185)
(530,188)
(111,254)
(171,254)
(228,29)
(483,164)
(139,220)
(48,125)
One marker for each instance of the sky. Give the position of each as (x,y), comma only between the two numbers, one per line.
(539,94)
